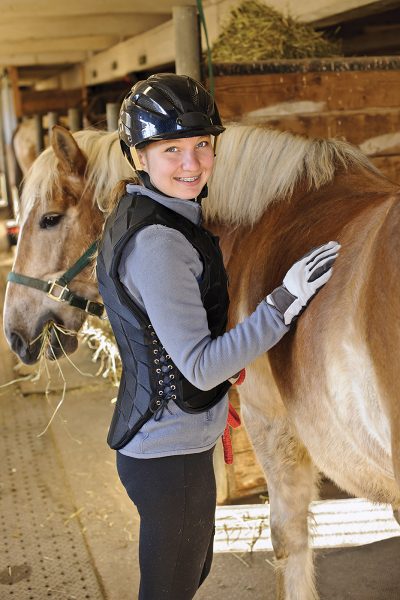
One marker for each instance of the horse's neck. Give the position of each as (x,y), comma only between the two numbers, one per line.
(288,229)
(227,237)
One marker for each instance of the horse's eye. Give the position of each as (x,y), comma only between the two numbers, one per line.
(48,221)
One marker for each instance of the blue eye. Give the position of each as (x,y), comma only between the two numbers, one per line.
(171,149)
(202,144)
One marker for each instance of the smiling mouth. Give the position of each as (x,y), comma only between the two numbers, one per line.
(188,179)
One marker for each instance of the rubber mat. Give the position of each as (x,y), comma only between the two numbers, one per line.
(43,553)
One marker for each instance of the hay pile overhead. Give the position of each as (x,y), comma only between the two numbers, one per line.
(257,32)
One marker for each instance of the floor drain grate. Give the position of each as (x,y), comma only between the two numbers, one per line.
(43,553)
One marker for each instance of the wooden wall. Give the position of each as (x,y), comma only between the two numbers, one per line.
(353,99)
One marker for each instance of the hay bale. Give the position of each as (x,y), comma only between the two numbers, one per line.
(257,32)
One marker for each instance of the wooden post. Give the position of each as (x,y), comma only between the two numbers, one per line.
(52,119)
(13,78)
(187,49)
(39,133)
(112,112)
(74,119)
(8,126)
(5,188)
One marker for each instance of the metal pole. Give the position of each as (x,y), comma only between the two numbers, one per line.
(39,134)
(52,119)
(74,119)
(112,112)
(187,51)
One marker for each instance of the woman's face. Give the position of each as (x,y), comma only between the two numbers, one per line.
(181,167)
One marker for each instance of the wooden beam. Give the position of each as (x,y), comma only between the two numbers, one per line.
(340,11)
(143,52)
(43,58)
(59,45)
(25,8)
(42,102)
(321,12)
(119,25)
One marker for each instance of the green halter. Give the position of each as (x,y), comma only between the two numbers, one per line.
(58,290)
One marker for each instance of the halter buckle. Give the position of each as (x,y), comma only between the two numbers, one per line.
(56,291)
(90,305)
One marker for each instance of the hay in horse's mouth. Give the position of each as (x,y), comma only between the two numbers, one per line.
(56,341)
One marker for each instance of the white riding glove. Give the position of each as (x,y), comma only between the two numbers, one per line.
(303,280)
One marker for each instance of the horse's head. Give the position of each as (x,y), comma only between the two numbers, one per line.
(59,221)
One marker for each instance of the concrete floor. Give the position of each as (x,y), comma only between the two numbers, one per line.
(68,530)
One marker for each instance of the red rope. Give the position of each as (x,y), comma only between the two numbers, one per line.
(234,422)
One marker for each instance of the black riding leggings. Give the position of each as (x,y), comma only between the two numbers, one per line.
(176,498)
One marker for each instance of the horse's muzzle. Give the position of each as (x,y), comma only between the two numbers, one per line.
(56,345)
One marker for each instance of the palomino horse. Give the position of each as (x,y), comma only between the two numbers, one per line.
(326,397)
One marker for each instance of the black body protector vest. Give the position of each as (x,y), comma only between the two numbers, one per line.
(149,377)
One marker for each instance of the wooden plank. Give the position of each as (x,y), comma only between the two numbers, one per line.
(42,102)
(354,126)
(240,94)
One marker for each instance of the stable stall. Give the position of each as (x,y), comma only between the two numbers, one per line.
(356,99)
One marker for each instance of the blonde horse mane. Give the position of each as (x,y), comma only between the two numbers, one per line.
(256,167)
(106,166)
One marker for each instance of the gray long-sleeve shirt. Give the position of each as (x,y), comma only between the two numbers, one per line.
(160,270)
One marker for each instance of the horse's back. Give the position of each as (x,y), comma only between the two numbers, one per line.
(329,373)
(340,386)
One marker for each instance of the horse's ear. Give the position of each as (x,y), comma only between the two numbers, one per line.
(71,158)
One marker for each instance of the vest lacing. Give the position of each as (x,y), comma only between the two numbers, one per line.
(166,375)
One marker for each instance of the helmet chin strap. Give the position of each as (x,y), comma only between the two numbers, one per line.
(135,158)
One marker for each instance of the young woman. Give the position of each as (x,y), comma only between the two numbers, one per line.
(163,282)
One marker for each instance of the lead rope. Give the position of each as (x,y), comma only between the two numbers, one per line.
(233,420)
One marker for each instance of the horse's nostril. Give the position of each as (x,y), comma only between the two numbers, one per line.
(27,352)
(17,343)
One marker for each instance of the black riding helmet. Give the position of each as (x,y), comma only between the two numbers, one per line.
(166,106)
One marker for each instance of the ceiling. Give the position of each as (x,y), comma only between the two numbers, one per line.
(43,36)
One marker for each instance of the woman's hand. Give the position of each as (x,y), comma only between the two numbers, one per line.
(303,280)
